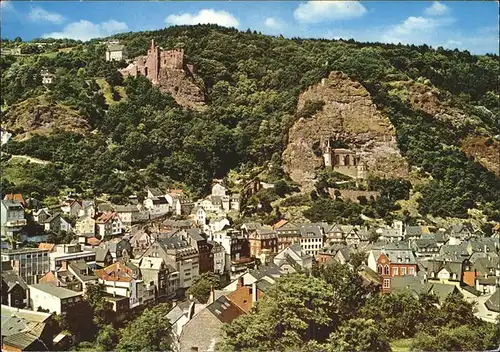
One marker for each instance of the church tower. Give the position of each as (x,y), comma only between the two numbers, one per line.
(327,154)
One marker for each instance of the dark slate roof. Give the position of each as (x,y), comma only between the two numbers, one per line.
(311,232)
(413,283)
(413,230)
(493,303)
(21,340)
(11,279)
(100,253)
(268,270)
(252,226)
(224,310)
(160,200)
(460,249)
(426,243)
(115,47)
(442,290)
(394,255)
(156,192)
(52,218)
(195,234)
(12,204)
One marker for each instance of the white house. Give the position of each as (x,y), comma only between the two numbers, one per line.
(129,214)
(311,239)
(55,299)
(57,223)
(200,215)
(121,280)
(109,224)
(291,255)
(41,215)
(115,52)
(12,217)
(218,190)
(72,207)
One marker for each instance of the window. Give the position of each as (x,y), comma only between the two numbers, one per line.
(387,283)
(379,269)
(395,271)
(386,270)
(411,271)
(403,271)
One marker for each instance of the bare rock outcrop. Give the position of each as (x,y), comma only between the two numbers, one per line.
(183,87)
(348,115)
(38,116)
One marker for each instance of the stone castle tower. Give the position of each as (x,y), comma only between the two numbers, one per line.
(154,62)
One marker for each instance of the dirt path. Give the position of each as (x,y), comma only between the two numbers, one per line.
(32,160)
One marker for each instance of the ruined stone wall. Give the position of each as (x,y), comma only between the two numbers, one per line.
(172,59)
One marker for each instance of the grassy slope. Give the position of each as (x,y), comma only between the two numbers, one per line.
(402,345)
(106,90)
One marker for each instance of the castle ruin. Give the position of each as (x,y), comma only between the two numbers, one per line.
(344,161)
(156,62)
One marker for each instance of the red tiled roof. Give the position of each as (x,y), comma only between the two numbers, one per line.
(176,191)
(93,241)
(16,197)
(115,272)
(49,246)
(279,224)
(105,217)
(242,298)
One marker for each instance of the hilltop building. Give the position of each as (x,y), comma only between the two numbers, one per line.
(156,60)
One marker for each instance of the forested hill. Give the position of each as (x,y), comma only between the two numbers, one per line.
(442,103)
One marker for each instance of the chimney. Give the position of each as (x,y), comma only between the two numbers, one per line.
(485,249)
(241,282)
(191,311)
(211,298)
(254,293)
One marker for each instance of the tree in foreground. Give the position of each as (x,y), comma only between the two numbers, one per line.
(358,335)
(296,310)
(202,285)
(149,332)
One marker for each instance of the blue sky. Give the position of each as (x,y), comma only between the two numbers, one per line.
(464,25)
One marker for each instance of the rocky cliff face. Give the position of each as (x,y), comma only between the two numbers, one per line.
(183,87)
(480,144)
(349,116)
(37,116)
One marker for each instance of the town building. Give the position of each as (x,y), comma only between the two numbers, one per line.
(263,241)
(52,298)
(311,239)
(27,330)
(115,52)
(124,280)
(109,224)
(12,218)
(29,263)
(14,288)
(67,253)
(178,253)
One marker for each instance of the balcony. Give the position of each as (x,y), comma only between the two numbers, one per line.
(15,223)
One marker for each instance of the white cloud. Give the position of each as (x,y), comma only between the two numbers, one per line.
(273,23)
(319,11)
(222,18)
(415,30)
(86,30)
(39,14)
(436,9)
